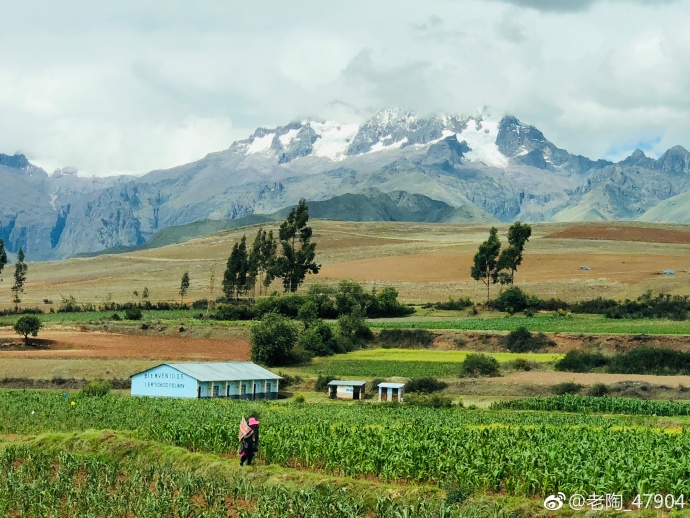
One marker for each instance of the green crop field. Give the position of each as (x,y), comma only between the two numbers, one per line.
(524,454)
(544,323)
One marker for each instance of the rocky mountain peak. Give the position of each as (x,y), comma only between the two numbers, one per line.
(16,161)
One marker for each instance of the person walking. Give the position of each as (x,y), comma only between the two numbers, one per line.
(250,442)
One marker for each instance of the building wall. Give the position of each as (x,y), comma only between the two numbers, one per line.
(347,392)
(164,381)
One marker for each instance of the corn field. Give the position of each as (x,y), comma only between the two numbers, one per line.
(529,454)
(609,405)
(37,484)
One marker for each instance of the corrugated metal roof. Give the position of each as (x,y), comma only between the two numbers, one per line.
(224,371)
(343,383)
(391,385)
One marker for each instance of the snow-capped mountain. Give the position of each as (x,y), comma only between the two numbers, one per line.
(486,166)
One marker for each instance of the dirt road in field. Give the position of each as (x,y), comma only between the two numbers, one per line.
(72,345)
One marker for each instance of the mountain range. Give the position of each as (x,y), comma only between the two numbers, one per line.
(397,166)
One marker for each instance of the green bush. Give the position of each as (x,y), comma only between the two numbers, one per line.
(319,339)
(581,361)
(647,360)
(569,387)
(476,365)
(428,400)
(425,385)
(133,313)
(512,300)
(272,340)
(322,382)
(234,311)
(453,304)
(116,317)
(406,338)
(522,341)
(96,388)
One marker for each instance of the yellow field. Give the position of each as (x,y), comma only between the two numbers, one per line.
(426,262)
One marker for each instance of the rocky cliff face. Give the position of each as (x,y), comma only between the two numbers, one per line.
(481,166)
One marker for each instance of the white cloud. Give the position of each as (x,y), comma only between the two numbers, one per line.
(134,86)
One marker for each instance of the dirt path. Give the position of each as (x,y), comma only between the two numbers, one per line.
(70,344)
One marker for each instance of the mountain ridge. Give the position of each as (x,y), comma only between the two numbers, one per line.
(477,164)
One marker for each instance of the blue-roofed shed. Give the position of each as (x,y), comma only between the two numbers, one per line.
(669,272)
(235,380)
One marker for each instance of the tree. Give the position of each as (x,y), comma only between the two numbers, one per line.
(28,325)
(511,257)
(485,267)
(272,340)
(294,264)
(184,285)
(3,257)
(262,258)
(20,269)
(235,279)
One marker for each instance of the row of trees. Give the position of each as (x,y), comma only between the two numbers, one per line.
(20,269)
(262,263)
(492,265)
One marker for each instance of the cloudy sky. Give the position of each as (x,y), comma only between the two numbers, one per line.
(136,85)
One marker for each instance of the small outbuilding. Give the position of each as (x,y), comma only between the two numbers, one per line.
(586,268)
(391,391)
(669,272)
(234,380)
(343,389)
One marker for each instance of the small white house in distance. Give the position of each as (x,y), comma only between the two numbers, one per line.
(391,391)
(234,380)
(342,389)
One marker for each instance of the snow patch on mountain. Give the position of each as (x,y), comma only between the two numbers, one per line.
(480,135)
(287,137)
(260,144)
(334,139)
(386,143)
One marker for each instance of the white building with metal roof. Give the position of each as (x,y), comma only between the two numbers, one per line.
(343,389)
(391,391)
(235,380)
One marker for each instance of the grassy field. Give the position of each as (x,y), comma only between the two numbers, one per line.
(423,356)
(543,323)
(426,262)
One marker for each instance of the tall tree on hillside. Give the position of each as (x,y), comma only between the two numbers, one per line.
(485,267)
(3,257)
(237,270)
(20,269)
(262,258)
(511,257)
(295,262)
(184,286)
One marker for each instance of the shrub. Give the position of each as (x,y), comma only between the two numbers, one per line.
(133,313)
(299,398)
(47,301)
(200,304)
(512,300)
(237,311)
(374,385)
(647,360)
(288,380)
(287,305)
(522,341)
(322,382)
(406,338)
(569,387)
(425,385)
(581,361)
(458,492)
(428,400)
(272,340)
(319,339)
(453,304)
(96,388)
(476,365)
(69,305)
(520,365)
(115,316)
(598,390)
